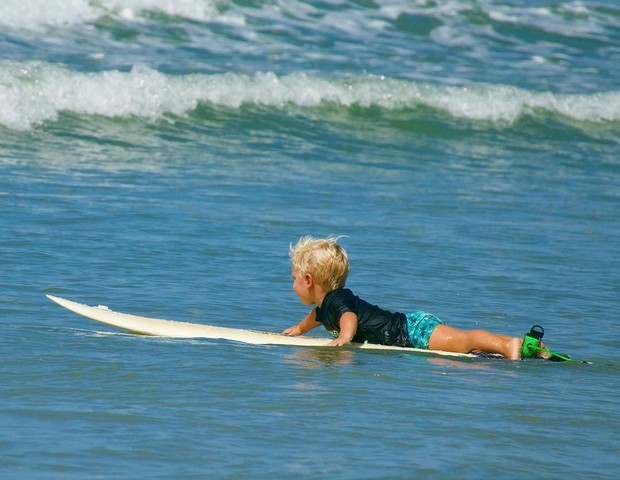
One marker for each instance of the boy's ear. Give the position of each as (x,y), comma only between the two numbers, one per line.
(309,279)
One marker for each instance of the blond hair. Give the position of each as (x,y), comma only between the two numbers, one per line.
(327,261)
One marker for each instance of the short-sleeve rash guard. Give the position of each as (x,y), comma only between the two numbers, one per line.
(375,325)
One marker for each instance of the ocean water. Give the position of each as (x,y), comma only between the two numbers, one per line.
(159,157)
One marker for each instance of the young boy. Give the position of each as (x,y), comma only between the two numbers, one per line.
(320,268)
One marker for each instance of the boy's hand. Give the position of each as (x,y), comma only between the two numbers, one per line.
(339,342)
(293,331)
(348,327)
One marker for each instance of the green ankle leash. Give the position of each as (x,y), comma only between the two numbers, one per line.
(530,346)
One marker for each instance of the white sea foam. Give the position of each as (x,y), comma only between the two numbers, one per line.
(32,93)
(34,14)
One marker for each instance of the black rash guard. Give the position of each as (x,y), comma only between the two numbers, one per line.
(374,325)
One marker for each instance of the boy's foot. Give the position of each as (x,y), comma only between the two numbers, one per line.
(542,354)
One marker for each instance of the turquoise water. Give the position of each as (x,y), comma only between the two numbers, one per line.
(159,157)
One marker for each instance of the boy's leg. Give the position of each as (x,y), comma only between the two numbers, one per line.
(452,339)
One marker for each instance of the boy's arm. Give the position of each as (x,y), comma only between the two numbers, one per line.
(348,327)
(304,326)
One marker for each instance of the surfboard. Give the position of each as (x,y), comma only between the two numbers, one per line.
(176,329)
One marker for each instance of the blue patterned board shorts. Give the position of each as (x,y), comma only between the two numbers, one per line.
(420,326)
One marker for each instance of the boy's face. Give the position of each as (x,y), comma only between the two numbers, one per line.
(301,285)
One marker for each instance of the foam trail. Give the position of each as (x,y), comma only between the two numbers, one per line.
(32,93)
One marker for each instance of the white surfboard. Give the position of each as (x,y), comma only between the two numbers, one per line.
(175,329)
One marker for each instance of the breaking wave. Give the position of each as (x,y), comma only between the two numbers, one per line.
(35,92)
